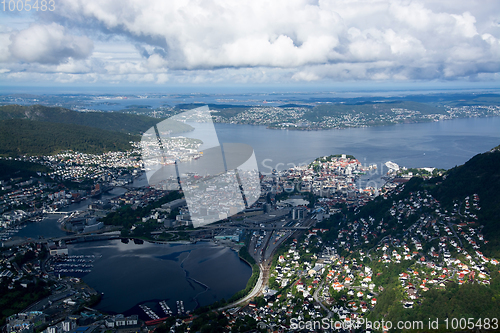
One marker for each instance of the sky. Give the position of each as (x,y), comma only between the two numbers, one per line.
(211,43)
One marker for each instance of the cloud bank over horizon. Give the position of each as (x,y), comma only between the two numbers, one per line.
(226,41)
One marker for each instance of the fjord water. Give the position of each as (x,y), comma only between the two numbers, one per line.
(132,274)
(442,144)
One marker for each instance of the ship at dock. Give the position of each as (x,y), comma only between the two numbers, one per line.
(392,166)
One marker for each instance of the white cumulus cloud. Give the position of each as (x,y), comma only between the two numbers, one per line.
(259,40)
(48,44)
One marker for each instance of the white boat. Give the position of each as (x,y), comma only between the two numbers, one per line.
(149,312)
(180,307)
(392,165)
(165,308)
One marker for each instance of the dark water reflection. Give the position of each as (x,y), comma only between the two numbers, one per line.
(132,274)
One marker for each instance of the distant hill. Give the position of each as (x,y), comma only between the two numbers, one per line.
(292,105)
(437,99)
(222,110)
(189,106)
(110,121)
(369,109)
(22,136)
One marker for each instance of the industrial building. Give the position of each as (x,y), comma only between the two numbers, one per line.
(299,213)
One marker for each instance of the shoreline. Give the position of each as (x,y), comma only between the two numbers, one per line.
(423,121)
(209,243)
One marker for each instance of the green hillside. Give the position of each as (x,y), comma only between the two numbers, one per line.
(428,243)
(480,175)
(21,136)
(110,121)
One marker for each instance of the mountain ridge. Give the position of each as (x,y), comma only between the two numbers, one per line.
(110,121)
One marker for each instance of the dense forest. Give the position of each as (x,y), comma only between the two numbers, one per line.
(481,175)
(456,301)
(110,121)
(26,137)
(14,169)
(18,299)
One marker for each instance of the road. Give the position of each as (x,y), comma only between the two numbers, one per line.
(315,296)
(257,289)
(266,257)
(261,282)
(451,226)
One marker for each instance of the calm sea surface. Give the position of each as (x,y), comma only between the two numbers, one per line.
(443,144)
(132,274)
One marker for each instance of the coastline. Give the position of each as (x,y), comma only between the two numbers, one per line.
(387,124)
